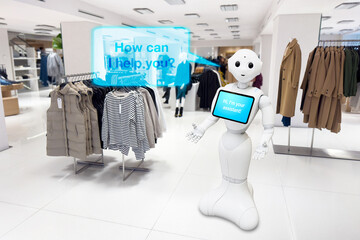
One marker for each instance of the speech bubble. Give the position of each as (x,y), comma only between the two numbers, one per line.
(142,56)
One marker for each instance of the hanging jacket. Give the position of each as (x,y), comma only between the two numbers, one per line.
(289,79)
(209,83)
(56,141)
(55,67)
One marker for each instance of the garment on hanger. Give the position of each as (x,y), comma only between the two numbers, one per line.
(43,69)
(124,123)
(208,85)
(183,69)
(258,82)
(55,67)
(289,79)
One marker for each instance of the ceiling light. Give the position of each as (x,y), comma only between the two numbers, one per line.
(201,39)
(175,2)
(235,31)
(217,37)
(2,19)
(346,30)
(165,36)
(229,7)
(165,21)
(347,5)
(195,36)
(213,34)
(202,24)
(127,25)
(42,29)
(209,30)
(192,15)
(90,14)
(324,18)
(143,10)
(44,26)
(345,21)
(236,35)
(1,23)
(235,19)
(326,28)
(46,33)
(234,27)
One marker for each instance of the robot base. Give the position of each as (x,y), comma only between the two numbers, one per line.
(232,201)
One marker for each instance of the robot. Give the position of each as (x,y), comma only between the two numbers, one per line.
(233,199)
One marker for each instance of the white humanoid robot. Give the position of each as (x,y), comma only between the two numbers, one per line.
(233,199)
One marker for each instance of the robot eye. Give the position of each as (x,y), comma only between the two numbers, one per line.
(251,65)
(237,64)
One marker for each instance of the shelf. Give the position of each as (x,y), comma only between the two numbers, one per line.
(28,79)
(25,68)
(26,58)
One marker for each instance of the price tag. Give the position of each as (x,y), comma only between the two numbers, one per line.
(119,108)
(59,102)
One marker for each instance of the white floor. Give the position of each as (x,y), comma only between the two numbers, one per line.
(298,198)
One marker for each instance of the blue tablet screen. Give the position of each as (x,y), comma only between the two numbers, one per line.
(233,106)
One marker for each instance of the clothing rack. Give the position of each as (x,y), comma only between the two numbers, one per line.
(317,152)
(99,162)
(339,41)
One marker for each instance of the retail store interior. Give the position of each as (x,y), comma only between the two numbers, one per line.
(303,179)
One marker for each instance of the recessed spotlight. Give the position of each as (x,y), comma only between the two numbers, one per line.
(345,21)
(201,39)
(347,5)
(45,33)
(234,27)
(165,36)
(165,21)
(195,36)
(217,37)
(209,30)
(346,30)
(236,35)
(213,34)
(42,29)
(202,24)
(229,7)
(1,23)
(2,19)
(324,18)
(326,28)
(235,31)
(175,2)
(127,25)
(235,19)
(192,15)
(143,10)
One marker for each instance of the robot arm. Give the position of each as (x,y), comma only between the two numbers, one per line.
(196,134)
(268,123)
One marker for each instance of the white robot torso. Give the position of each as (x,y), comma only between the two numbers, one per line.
(236,127)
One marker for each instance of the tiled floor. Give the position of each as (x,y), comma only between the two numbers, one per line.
(298,198)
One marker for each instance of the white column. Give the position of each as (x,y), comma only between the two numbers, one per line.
(4,142)
(305,28)
(76,37)
(265,56)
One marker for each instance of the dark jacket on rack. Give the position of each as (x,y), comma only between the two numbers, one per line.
(208,85)
(289,79)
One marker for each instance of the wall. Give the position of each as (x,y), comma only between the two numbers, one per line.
(305,28)
(76,38)
(265,56)
(5,52)
(222,43)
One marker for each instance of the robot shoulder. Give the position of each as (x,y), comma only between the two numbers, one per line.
(264,101)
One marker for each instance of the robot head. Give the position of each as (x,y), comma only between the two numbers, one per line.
(244,65)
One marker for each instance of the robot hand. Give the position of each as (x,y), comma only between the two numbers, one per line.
(261,151)
(196,134)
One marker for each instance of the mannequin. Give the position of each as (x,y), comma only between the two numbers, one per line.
(233,199)
(183,71)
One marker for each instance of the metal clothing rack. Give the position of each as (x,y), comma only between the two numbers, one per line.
(99,162)
(317,152)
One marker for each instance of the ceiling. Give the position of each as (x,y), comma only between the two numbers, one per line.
(250,14)
(255,17)
(326,7)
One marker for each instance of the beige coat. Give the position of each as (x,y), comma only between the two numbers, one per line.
(289,80)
